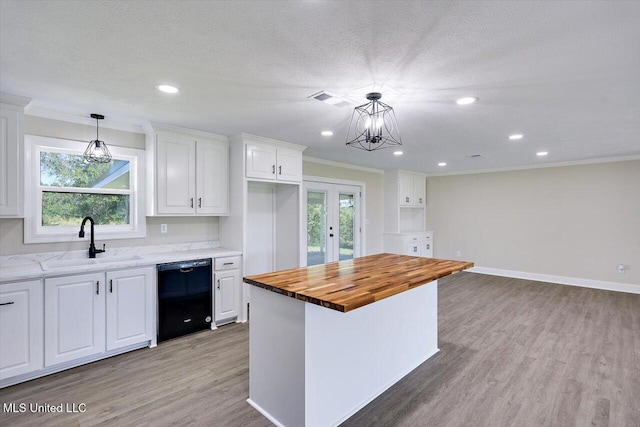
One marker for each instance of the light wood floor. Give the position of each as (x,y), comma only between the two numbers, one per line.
(513,353)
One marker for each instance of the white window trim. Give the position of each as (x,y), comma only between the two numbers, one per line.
(35,233)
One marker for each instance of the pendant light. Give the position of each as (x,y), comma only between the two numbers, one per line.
(373,125)
(97,151)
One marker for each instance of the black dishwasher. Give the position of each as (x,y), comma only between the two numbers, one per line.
(184,298)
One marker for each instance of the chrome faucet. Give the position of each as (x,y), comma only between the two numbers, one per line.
(92,247)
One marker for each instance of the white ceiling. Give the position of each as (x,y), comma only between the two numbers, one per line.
(565,74)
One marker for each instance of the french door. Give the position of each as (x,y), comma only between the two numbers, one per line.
(332,216)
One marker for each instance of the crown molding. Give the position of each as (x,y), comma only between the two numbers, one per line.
(540,166)
(341,165)
(19,102)
(38,111)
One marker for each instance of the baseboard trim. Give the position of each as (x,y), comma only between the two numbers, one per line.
(561,280)
(264,413)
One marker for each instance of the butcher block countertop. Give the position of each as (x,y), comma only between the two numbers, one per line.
(347,285)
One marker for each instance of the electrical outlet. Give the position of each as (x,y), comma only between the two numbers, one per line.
(621,268)
(458,254)
(163,228)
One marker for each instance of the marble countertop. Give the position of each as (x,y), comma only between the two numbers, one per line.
(54,264)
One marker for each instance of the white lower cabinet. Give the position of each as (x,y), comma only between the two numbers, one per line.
(85,316)
(227,295)
(21,328)
(74,322)
(414,244)
(227,288)
(129,307)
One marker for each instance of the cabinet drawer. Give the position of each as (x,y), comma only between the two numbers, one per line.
(227,263)
(419,237)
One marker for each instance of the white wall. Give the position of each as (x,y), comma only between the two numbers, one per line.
(374,197)
(180,229)
(573,221)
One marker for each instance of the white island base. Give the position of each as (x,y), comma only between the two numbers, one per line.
(313,366)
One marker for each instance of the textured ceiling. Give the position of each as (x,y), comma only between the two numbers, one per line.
(565,74)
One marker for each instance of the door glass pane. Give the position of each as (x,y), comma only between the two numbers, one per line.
(347,225)
(316,227)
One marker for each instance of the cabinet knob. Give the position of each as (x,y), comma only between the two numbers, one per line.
(407,199)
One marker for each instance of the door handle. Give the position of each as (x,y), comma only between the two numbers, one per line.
(192,202)
(111,285)
(218,283)
(8,303)
(97,287)
(273,169)
(407,200)
(186,270)
(199,202)
(279,170)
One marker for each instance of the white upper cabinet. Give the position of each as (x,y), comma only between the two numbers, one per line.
(273,161)
(189,173)
(411,189)
(212,177)
(12,155)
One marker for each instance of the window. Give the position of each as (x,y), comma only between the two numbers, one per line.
(63,189)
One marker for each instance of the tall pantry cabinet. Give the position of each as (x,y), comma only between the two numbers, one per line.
(405,214)
(264,205)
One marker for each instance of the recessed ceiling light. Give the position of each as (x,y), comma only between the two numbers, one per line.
(397,153)
(442,164)
(466,100)
(541,153)
(326,133)
(167,88)
(515,136)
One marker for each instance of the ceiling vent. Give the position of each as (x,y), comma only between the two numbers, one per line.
(327,98)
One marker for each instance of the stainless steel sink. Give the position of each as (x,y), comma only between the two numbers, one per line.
(67,263)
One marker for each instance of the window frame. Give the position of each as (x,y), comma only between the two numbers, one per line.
(35,232)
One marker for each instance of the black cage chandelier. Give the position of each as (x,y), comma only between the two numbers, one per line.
(97,151)
(373,125)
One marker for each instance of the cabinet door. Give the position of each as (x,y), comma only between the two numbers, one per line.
(419,190)
(289,165)
(405,190)
(21,328)
(10,163)
(426,250)
(129,307)
(261,161)
(413,249)
(212,180)
(176,174)
(227,294)
(74,317)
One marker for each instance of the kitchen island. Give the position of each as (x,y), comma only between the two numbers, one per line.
(326,340)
